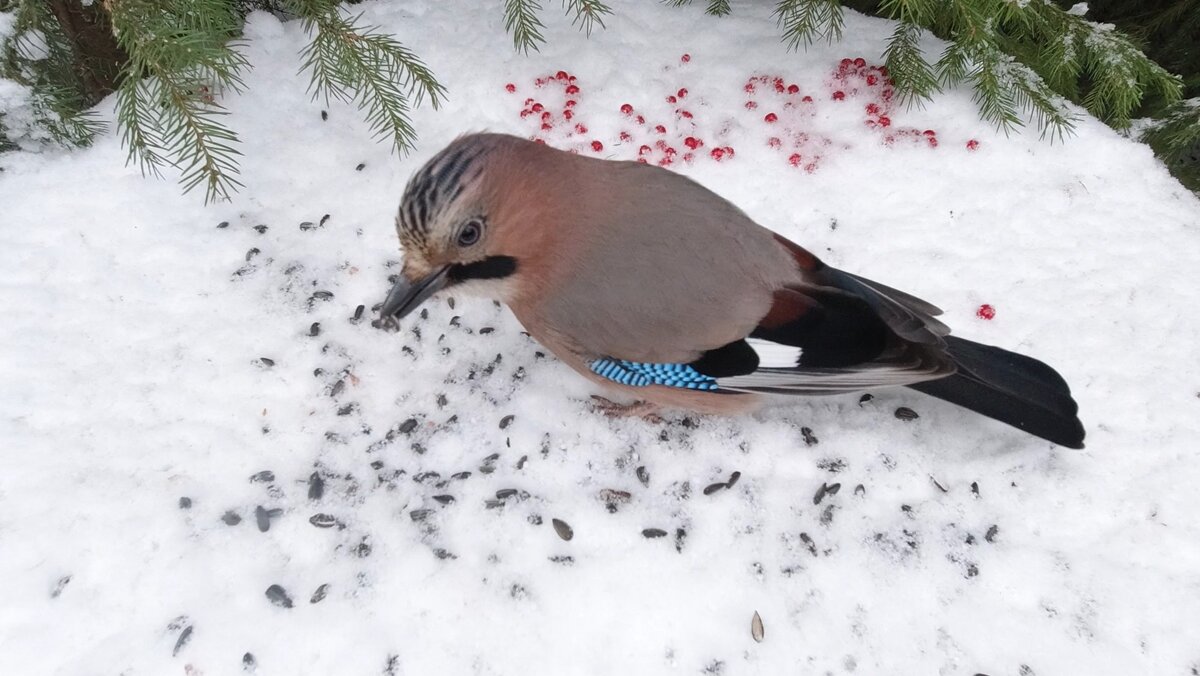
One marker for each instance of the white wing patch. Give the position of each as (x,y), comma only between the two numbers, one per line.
(774,355)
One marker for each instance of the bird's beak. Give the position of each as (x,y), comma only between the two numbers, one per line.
(405,296)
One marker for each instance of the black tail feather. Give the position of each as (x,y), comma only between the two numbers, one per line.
(1009,387)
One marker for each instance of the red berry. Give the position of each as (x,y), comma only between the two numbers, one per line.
(660,144)
(672,99)
(883,71)
(972,144)
(660,129)
(774,142)
(681,93)
(670,152)
(685,58)
(846,63)
(749,88)
(779,86)
(571,79)
(688,157)
(537,107)
(664,162)
(871,80)
(572,89)
(933,142)
(640,119)
(795,159)
(627,109)
(885,121)
(560,75)
(807,99)
(793,89)
(580,129)
(597,146)
(546,126)
(986,311)
(729,151)
(770,117)
(510,87)
(929,132)
(528,102)
(751,105)
(570,103)
(692,142)
(717,153)
(778,83)
(541,82)
(860,62)
(626,136)
(568,114)
(645,150)
(839,95)
(872,109)
(685,114)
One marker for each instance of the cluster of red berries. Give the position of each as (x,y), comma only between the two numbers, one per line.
(786,111)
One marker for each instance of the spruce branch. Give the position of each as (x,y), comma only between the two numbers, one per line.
(718,7)
(587,14)
(521,19)
(913,76)
(181,58)
(1176,139)
(352,62)
(805,21)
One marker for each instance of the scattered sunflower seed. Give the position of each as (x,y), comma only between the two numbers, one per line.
(865,398)
(680,536)
(733,479)
(756,628)
(408,426)
(459,476)
(713,488)
(260,228)
(937,483)
(324,115)
(223,224)
(313,331)
(992,531)
(248,662)
(826,489)
(279,596)
(266,361)
(810,439)
(420,514)
(252,253)
(59,586)
(563,529)
(316,486)
(183,639)
(308,225)
(321,295)
(651,533)
(906,414)
(493,504)
(319,594)
(486,330)
(231,518)
(505,493)
(506,421)
(323,520)
(444,499)
(643,475)
(522,461)
(860,490)
(185,503)
(324,220)
(361,166)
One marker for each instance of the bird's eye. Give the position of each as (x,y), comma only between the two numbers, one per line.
(470,233)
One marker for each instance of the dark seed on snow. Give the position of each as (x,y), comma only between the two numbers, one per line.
(860,490)
(358,312)
(266,361)
(361,166)
(906,414)
(443,554)
(376,464)
(260,228)
(975,488)
(825,489)
(522,461)
(223,224)
(733,479)
(408,425)
(231,518)
(420,514)
(182,640)
(323,520)
(810,439)
(505,493)
(314,330)
(321,295)
(279,596)
(319,594)
(444,499)
(713,488)
(493,504)
(59,586)
(263,518)
(460,475)
(506,421)
(252,253)
(324,220)
(316,486)
(308,225)
(337,388)
(248,662)
(643,475)
(865,398)
(654,533)
(563,529)
(363,550)
(937,483)
(185,503)
(348,409)
(422,477)
(992,531)
(680,536)
(264,477)
(486,330)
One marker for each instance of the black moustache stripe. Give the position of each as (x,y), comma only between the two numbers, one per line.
(492,267)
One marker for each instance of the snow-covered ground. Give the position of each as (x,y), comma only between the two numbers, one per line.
(177,441)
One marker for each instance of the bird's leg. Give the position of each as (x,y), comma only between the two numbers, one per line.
(642,409)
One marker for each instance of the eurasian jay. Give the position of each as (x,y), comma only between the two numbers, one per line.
(660,290)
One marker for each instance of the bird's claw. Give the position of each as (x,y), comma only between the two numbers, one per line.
(641,409)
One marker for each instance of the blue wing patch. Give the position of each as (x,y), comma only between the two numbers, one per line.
(636,374)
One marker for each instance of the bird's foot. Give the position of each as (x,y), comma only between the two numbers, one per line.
(641,409)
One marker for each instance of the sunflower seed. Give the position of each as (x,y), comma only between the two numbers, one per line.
(315,329)
(263,518)
(825,489)
(185,503)
(860,490)
(321,295)
(319,594)
(506,421)
(316,486)
(505,493)
(713,488)
(733,479)
(680,536)
(522,461)
(223,224)
(486,330)
(324,220)
(653,533)
(248,662)
(182,640)
(420,514)
(266,361)
(992,531)
(906,414)
(444,499)
(252,253)
(643,475)
(408,426)
(279,596)
(231,518)
(459,476)
(756,628)
(361,166)
(322,520)
(865,398)
(308,225)
(810,439)
(937,483)
(563,529)
(260,228)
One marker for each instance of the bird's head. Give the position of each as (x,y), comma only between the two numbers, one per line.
(457,226)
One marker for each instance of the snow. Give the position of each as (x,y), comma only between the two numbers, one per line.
(132,355)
